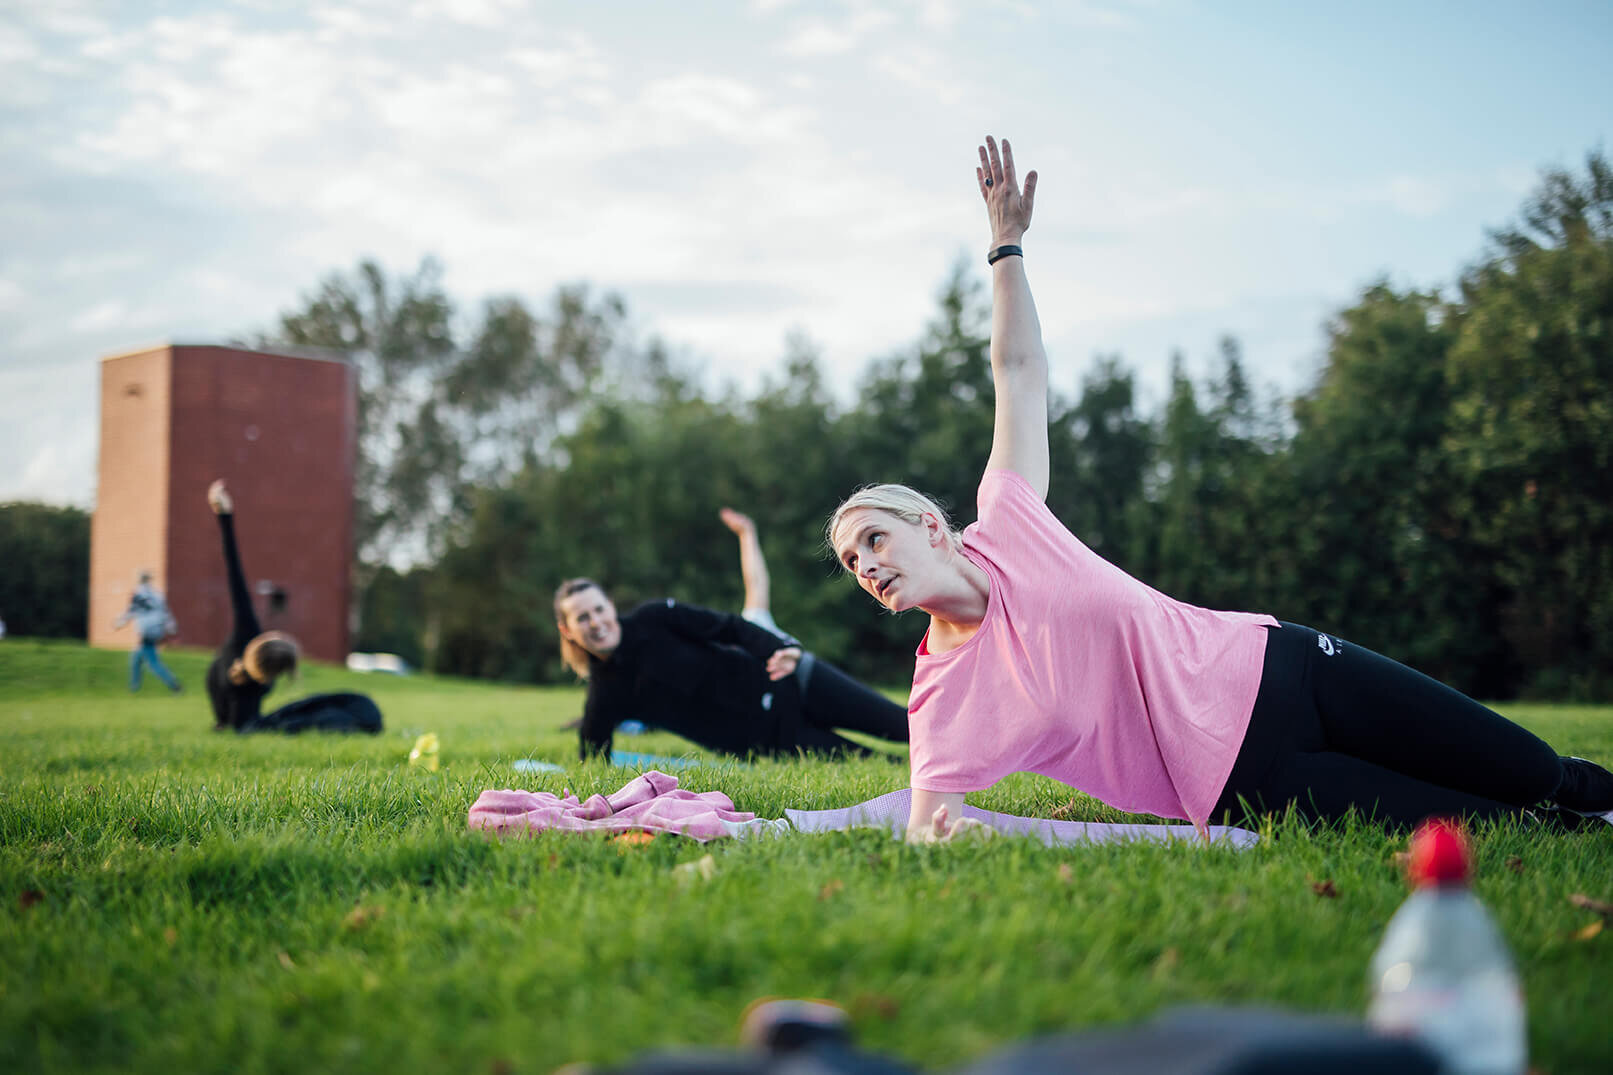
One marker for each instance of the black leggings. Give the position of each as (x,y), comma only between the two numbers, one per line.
(832,699)
(344,711)
(1337,727)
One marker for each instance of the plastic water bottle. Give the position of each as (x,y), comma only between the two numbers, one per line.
(1443,974)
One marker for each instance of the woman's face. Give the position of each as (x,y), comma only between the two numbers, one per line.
(588,618)
(895,561)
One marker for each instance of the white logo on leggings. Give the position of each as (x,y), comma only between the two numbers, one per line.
(1325,644)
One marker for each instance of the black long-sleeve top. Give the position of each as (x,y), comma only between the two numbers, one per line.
(693,671)
(234,704)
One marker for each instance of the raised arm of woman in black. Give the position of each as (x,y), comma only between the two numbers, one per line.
(246,626)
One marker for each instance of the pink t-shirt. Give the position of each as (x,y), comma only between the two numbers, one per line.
(1081,673)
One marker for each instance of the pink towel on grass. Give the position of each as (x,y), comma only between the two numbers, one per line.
(652,802)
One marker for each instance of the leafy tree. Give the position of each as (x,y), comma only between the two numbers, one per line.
(1101,453)
(45,587)
(398,334)
(924,419)
(1530,440)
(394,614)
(1369,544)
(1202,536)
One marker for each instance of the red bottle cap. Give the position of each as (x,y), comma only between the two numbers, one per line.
(1439,854)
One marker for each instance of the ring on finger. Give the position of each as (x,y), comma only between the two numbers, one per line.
(988,180)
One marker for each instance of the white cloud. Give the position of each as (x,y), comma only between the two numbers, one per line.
(1414,196)
(100,317)
(926,71)
(67,18)
(12,295)
(480,13)
(825,37)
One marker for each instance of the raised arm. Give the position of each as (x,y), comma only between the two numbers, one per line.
(246,620)
(1018,360)
(752,565)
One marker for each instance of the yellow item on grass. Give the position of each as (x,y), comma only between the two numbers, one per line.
(424,753)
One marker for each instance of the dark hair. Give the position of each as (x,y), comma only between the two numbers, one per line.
(276,656)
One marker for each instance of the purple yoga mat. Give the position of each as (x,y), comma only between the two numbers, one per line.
(890,812)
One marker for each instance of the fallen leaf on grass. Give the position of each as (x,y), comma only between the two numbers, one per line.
(171,935)
(830,889)
(285,959)
(361,916)
(633,838)
(875,1004)
(1515,864)
(29,897)
(1066,873)
(1598,907)
(1585,903)
(1166,962)
(1324,888)
(702,869)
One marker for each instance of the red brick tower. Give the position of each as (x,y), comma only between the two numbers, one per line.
(281,430)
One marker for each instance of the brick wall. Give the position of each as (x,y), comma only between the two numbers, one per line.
(129,529)
(281,431)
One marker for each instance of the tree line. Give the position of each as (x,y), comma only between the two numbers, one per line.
(1443,491)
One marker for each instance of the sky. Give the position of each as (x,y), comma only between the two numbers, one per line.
(184,172)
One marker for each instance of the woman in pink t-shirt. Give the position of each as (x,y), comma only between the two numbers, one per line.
(1043,657)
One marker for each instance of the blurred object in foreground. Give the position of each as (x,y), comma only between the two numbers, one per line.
(1443,974)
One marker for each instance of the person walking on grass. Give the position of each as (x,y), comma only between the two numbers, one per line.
(154,623)
(1043,657)
(711,677)
(251,660)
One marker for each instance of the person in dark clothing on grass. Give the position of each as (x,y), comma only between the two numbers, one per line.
(246,666)
(711,677)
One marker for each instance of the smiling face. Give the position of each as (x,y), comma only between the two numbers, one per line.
(588,618)
(897,562)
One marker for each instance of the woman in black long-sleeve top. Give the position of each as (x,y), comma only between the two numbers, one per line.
(246,666)
(249,661)
(710,677)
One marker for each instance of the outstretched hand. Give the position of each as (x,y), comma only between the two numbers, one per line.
(218,498)
(737,521)
(1007,206)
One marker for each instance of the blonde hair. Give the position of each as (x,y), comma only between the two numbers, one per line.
(575,657)
(902,501)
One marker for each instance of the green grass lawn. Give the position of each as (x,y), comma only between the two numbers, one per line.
(177,900)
